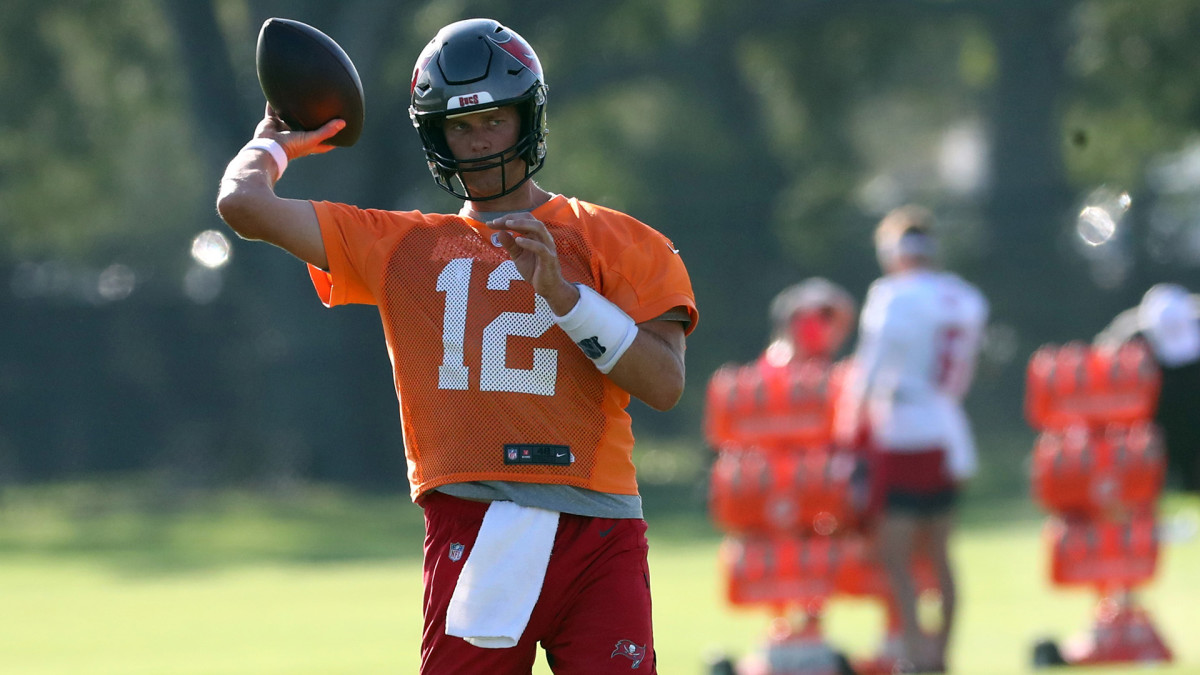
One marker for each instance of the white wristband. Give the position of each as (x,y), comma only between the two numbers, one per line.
(273,148)
(599,327)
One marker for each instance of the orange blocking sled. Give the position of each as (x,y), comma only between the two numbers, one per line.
(780,571)
(1121,632)
(792,506)
(821,491)
(1098,469)
(1080,384)
(1079,472)
(770,406)
(1105,554)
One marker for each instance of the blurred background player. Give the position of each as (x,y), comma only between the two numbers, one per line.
(809,320)
(518,329)
(919,337)
(1168,320)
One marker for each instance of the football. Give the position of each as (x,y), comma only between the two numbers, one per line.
(308,79)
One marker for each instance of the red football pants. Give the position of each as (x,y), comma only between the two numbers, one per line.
(593,616)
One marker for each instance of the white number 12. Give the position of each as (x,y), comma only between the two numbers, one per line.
(455,281)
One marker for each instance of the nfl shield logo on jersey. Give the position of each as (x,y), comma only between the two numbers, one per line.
(456,551)
(512,454)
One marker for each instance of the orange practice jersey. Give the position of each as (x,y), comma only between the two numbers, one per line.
(489,387)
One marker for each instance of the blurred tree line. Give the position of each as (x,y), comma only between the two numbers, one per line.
(1056,140)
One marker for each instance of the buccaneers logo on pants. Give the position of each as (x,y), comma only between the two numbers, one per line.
(630,651)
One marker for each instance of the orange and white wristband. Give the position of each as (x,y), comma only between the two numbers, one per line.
(273,148)
(601,329)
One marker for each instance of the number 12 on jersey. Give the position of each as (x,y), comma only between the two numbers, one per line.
(455,281)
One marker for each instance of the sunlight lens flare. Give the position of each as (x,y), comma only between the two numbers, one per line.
(1098,221)
(1095,226)
(211,249)
(116,282)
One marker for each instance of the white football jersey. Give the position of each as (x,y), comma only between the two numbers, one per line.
(919,338)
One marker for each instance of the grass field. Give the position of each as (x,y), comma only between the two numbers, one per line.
(106,579)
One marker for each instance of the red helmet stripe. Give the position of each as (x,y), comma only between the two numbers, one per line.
(520,51)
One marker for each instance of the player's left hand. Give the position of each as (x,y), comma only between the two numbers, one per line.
(531,247)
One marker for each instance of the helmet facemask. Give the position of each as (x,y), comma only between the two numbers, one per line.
(530,148)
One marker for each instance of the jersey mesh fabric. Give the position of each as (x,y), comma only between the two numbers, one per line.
(477,361)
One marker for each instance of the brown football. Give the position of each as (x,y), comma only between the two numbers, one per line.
(308,79)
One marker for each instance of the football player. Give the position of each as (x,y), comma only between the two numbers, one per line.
(919,337)
(809,320)
(1168,320)
(518,328)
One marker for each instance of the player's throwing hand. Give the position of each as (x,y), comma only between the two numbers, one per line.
(297,143)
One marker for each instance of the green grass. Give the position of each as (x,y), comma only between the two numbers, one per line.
(110,578)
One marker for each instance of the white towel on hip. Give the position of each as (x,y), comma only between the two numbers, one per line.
(959,443)
(502,577)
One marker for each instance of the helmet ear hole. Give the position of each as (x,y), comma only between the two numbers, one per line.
(533,124)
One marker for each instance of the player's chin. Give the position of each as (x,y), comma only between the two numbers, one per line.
(482,186)
(483,189)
